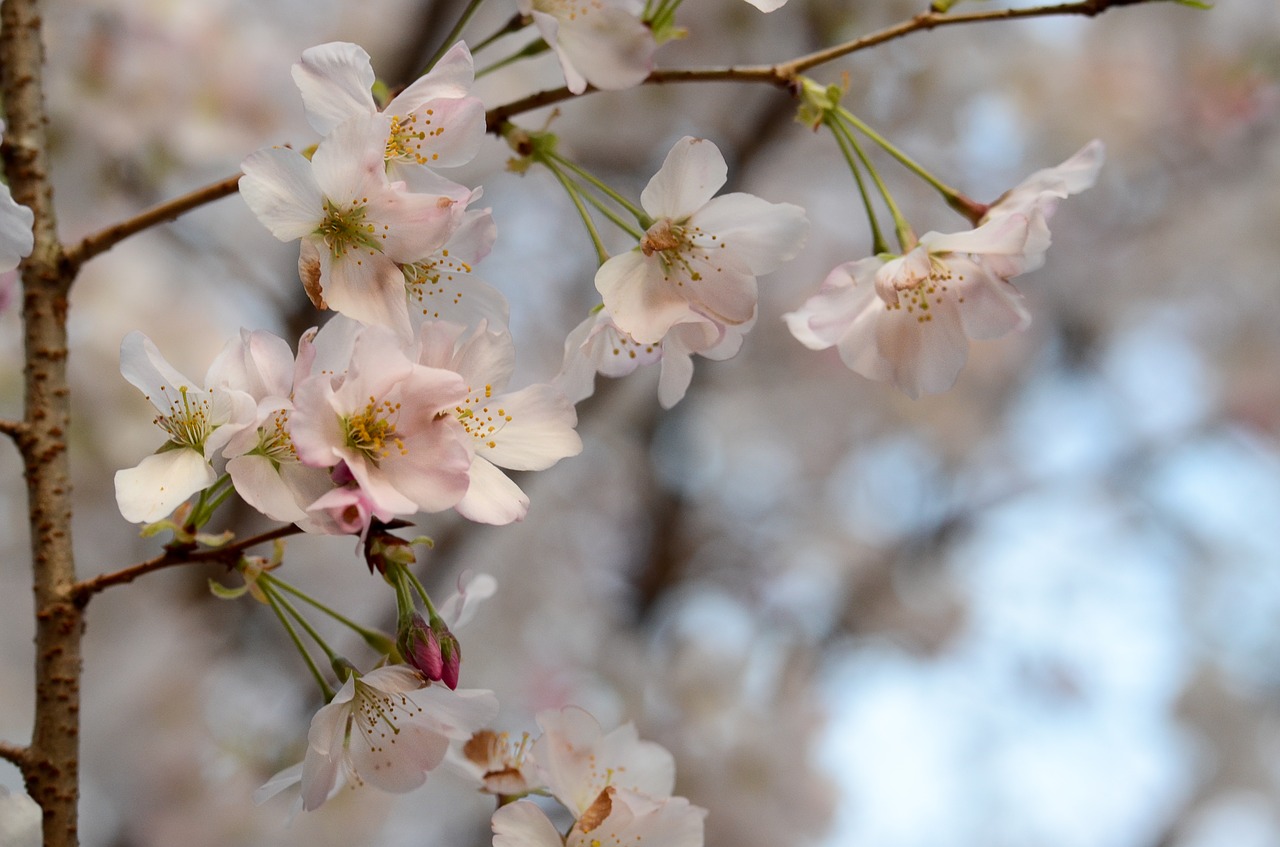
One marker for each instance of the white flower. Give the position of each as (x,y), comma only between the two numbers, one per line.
(262,460)
(599,42)
(527,430)
(434,122)
(579,760)
(701,255)
(768,5)
(387,729)
(16,238)
(908,319)
(356,227)
(385,419)
(597,345)
(19,820)
(618,817)
(198,421)
(500,765)
(444,287)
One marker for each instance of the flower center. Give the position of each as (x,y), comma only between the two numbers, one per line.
(678,250)
(345,229)
(372,431)
(408,136)
(479,420)
(274,440)
(378,715)
(190,423)
(431,280)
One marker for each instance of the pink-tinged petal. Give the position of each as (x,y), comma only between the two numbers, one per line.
(549,28)
(1002,236)
(610,48)
(258,363)
(460,607)
(280,189)
(449,78)
(324,749)
(16,239)
(349,166)
(259,484)
(924,357)
(395,760)
(435,473)
(413,226)
(636,819)
(674,377)
(534,429)
(577,377)
(486,360)
(286,778)
(454,132)
(456,714)
(692,173)
(492,498)
(146,369)
(722,288)
(760,234)
(316,424)
(335,80)
(522,824)
(642,303)
(160,483)
(368,288)
(990,307)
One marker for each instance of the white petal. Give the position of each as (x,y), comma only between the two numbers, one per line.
(286,778)
(1003,236)
(492,497)
(335,80)
(16,239)
(692,173)
(460,607)
(280,189)
(258,483)
(349,165)
(451,78)
(991,307)
(925,358)
(758,233)
(540,431)
(610,48)
(641,302)
(522,824)
(368,288)
(160,483)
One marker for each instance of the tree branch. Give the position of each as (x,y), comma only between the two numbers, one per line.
(102,241)
(52,766)
(20,756)
(783,74)
(81,592)
(16,430)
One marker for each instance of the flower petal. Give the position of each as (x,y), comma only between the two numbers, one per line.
(692,173)
(522,824)
(160,482)
(336,81)
(281,191)
(759,233)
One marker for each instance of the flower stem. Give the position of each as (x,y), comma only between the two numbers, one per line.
(373,638)
(422,592)
(878,243)
(276,602)
(604,188)
(516,24)
(528,51)
(574,194)
(952,196)
(906,237)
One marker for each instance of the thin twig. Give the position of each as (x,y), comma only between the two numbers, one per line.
(783,74)
(14,429)
(82,591)
(15,753)
(102,241)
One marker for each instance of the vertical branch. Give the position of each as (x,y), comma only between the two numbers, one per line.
(51,765)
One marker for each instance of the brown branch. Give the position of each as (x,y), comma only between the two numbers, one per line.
(102,241)
(20,756)
(783,74)
(52,761)
(81,592)
(16,430)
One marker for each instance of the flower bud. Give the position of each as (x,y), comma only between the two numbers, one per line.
(420,648)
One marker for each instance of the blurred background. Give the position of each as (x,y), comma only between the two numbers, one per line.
(1043,608)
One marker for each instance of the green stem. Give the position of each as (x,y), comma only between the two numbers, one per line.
(274,600)
(422,592)
(576,197)
(878,243)
(516,24)
(604,188)
(536,48)
(906,237)
(453,34)
(371,636)
(952,196)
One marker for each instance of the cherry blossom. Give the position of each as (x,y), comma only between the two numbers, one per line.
(908,319)
(444,287)
(598,345)
(499,764)
(768,5)
(529,429)
(700,255)
(434,122)
(599,42)
(617,817)
(198,421)
(385,419)
(386,729)
(262,460)
(356,227)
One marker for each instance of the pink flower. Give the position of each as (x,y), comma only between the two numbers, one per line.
(701,254)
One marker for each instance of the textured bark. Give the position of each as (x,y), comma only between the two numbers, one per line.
(50,766)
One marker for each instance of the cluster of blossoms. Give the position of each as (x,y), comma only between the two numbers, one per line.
(616,787)
(908,319)
(399,404)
